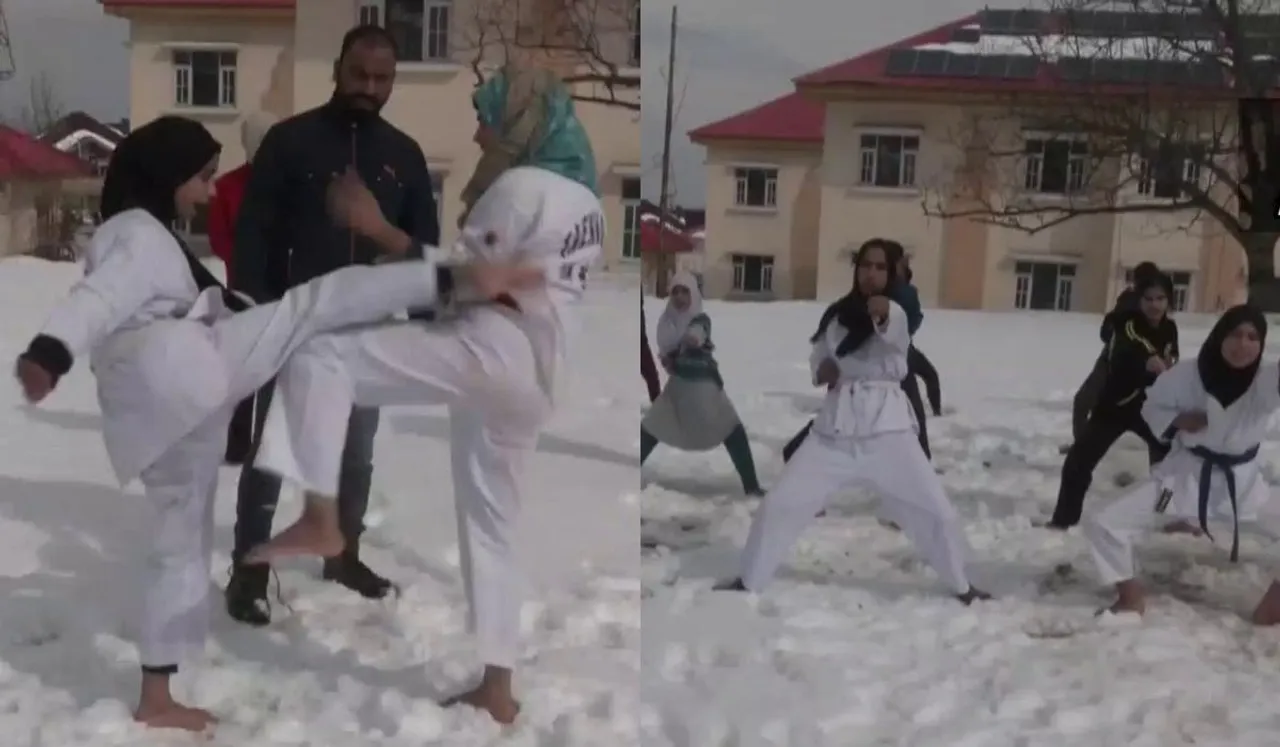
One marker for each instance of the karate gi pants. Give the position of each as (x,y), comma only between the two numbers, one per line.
(484,369)
(1113,531)
(181,484)
(894,466)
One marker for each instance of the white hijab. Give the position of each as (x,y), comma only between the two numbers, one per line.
(673,323)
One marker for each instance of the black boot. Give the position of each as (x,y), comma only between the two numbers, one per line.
(246,595)
(347,569)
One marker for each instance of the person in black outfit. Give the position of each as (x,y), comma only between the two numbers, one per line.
(1143,345)
(284,237)
(1126,303)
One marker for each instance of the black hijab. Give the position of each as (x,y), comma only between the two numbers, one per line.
(148,167)
(851,310)
(1220,380)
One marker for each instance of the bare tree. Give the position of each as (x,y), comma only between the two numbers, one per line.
(1161,111)
(592,42)
(44,107)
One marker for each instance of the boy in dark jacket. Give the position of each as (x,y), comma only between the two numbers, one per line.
(1143,344)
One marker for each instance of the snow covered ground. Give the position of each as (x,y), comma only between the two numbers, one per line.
(857,646)
(340,671)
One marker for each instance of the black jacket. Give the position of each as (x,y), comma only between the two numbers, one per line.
(1135,341)
(1128,302)
(283,235)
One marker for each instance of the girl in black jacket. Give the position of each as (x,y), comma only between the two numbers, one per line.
(1144,345)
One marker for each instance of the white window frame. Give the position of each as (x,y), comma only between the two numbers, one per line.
(436,27)
(437,194)
(869,158)
(1033,163)
(631,224)
(742,175)
(1022,290)
(183,72)
(1147,180)
(1064,291)
(1064,285)
(740,273)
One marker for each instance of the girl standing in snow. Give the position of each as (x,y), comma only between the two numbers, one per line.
(1216,409)
(865,433)
(693,413)
(172,361)
(1145,344)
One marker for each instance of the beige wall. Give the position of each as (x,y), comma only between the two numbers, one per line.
(788,234)
(285,65)
(958,262)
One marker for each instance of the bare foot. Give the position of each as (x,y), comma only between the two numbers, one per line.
(1268,610)
(973,595)
(1183,527)
(501,706)
(175,716)
(301,538)
(1130,599)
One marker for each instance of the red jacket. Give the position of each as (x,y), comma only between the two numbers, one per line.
(223,209)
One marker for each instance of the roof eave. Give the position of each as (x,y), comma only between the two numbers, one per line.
(805,144)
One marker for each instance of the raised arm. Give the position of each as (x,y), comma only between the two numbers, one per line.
(896,327)
(103,300)
(260,259)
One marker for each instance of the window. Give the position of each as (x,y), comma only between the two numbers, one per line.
(631,218)
(1181,280)
(1044,286)
(1055,166)
(756,187)
(634,29)
(205,78)
(420,27)
(437,193)
(1163,173)
(752,273)
(888,160)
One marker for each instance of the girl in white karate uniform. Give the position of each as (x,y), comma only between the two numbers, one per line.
(500,368)
(865,433)
(1216,409)
(172,360)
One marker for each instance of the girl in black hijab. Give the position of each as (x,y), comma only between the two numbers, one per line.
(172,360)
(1216,410)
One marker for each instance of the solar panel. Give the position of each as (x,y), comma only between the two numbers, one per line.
(966,36)
(996,21)
(1075,69)
(1023,67)
(900,62)
(962,65)
(993,66)
(930,63)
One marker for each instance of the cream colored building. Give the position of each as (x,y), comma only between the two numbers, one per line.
(219,61)
(795,185)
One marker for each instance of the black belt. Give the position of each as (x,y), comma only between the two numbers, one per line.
(1227,463)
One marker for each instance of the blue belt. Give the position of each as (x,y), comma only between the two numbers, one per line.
(1227,463)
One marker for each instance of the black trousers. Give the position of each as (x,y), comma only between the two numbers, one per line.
(909,386)
(921,366)
(1103,429)
(1087,396)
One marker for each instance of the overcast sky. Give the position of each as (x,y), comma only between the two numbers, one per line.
(79,48)
(734,54)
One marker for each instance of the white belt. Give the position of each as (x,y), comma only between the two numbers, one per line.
(842,423)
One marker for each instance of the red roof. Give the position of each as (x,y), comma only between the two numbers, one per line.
(24,157)
(202,4)
(799,118)
(654,239)
(791,118)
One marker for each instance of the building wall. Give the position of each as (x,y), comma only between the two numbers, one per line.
(788,233)
(285,65)
(958,262)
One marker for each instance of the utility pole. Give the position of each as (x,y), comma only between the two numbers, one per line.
(7,67)
(662,265)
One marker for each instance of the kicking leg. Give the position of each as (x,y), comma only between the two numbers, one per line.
(180,487)
(1111,533)
(1100,433)
(913,498)
(485,362)
(818,469)
(486,463)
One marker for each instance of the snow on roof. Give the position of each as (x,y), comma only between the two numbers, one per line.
(75,138)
